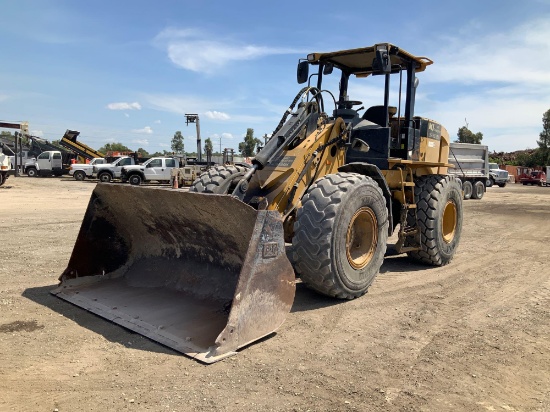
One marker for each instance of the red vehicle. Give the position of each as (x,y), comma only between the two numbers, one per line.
(534,177)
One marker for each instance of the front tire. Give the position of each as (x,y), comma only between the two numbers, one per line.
(105,177)
(135,180)
(502,184)
(220,180)
(32,172)
(79,175)
(340,235)
(490,182)
(439,218)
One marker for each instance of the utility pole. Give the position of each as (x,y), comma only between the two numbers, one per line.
(194,118)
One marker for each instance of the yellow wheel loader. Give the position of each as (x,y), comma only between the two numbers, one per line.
(211,270)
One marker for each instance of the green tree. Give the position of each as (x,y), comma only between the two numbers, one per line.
(114,147)
(208,146)
(248,147)
(544,140)
(143,152)
(177,142)
(465,135)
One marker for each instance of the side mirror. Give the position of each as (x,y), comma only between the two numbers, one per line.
(359,145)
(302,72)
(328,67)
(383,61)
(416,81)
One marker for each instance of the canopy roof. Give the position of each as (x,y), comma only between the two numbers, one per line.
(360,61)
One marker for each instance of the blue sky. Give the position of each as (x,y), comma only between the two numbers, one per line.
(128,71)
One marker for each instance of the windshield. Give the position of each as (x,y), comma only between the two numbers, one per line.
(493,166)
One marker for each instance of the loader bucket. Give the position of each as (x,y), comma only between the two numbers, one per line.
(202,274)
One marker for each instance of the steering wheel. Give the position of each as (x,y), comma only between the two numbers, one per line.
(348,104)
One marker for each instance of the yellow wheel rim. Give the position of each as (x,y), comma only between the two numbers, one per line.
(361,238)
(448,223)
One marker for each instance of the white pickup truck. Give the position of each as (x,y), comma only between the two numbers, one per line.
(157,168)
(4,167)
(46,163)
(107,172)
(81,171)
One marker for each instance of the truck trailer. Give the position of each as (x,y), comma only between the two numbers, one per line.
(471,163)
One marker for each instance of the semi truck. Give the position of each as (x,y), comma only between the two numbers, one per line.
(471,163)
(497,176)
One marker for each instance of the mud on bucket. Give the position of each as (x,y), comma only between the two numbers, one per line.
(202,274)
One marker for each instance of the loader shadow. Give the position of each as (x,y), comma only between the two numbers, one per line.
(110,331)
(399,262)
(307,299)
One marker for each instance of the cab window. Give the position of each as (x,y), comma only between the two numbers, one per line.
(125,162)
(43,156)
(57,155)
(155,163)
(170,163)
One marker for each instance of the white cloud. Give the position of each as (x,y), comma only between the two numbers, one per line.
(164,145)
(157,122)
(4,97)
(516,55)
(191,49)
(126,114)
(124,106)
(37,133)
(143,142)
(217,115)
(499,82)
(145,130)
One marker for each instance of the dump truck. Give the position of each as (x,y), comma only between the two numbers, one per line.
(471,168)
(69,141)
(206,271)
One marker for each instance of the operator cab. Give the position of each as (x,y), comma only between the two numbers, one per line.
(388,131)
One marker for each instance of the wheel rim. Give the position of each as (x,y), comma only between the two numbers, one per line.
(448,223)
(361,238)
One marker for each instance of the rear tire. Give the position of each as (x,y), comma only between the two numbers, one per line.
(340,235)
(135,180)
(479,190)
(105,177)
(2,180)
(79,175)
(439,213)
(220,180)
(468,189)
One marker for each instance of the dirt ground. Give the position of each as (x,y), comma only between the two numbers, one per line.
(471,336)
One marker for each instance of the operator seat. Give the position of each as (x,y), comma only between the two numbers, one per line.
(377,114)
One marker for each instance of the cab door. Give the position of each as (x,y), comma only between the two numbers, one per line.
(154,170)
(170,164)
(57,162)
(44,162)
